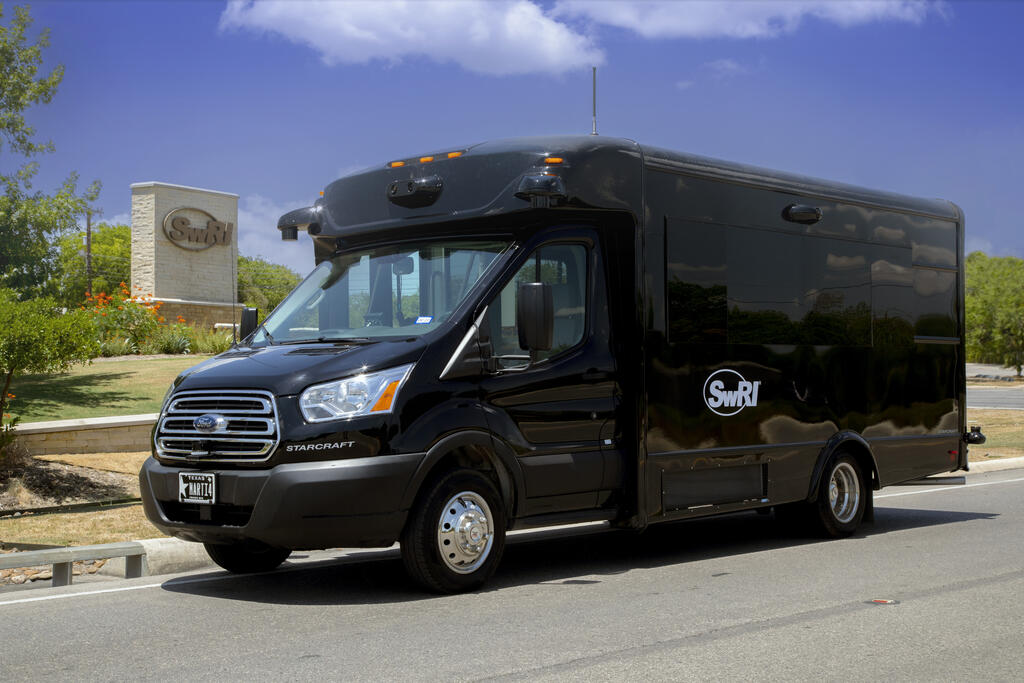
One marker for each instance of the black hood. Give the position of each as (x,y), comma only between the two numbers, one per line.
(288,369)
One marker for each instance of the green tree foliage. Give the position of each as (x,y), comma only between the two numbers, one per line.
(995,310)
(111,263)
(29,220)
(35,336)
(262,284)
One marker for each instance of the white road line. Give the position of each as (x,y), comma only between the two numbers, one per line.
(75,595)
(948,488)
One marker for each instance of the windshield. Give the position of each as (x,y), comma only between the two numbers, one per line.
(402,290)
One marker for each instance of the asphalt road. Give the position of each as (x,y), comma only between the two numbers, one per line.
(737,597)
(995,397)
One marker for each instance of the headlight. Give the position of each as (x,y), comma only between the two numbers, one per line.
(359,395)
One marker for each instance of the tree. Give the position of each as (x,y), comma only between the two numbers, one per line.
(35,336)
(995,310)
(111,263)
(263,284)
(29,219)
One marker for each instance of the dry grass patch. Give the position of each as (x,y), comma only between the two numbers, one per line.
(125,463)
(127,523)
(1004,431)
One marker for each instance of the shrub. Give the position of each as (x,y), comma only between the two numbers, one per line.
(209,341)
(38,336)
(124,315)
(169,339)
(117,346)
(11,453)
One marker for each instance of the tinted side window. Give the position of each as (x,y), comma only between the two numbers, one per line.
(765,290)
(564,267)
(696,278)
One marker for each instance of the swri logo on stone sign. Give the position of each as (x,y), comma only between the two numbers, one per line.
(727,393)
(180,228)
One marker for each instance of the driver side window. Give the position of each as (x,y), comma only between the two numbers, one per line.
(564,268)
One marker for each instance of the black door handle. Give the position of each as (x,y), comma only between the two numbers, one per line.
(595,375)
(802,213)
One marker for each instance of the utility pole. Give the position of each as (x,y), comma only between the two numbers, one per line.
(88,252)
(594,131)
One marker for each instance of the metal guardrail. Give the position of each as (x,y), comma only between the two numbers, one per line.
(62,558)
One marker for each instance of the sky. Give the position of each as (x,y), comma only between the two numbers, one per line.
(274,100)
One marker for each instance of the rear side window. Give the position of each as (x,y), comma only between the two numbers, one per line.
(564,267)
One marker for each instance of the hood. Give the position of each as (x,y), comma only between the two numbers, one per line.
(288,369)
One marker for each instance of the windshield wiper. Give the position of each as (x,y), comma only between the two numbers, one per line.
(325,339)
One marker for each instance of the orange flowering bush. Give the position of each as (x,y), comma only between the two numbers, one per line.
(124,320)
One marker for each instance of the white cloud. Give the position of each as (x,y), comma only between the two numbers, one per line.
(258,234)
(725,68)
(684,85)
(740,19)
(495,38)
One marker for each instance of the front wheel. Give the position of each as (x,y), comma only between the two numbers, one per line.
(455,534)
(243,558)
(842,497)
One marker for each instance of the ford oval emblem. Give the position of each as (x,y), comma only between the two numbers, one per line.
(209,423)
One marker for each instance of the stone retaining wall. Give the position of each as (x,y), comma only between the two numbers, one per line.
(89,435)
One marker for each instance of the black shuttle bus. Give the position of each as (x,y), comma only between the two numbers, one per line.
(552,330)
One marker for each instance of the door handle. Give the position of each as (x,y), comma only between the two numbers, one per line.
(595,375)
(801,213)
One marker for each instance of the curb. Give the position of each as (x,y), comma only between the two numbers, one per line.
(164,556)
(996,464)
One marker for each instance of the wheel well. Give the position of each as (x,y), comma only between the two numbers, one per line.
(864,458)
(474,457)
(854,447)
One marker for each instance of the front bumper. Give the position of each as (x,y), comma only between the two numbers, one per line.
(302,506)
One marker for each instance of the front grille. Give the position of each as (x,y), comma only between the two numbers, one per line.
(219,514)
(244,426)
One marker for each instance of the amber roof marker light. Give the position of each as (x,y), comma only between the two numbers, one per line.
(396,164)
(553,160)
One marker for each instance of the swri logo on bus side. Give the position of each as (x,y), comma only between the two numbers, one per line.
(727,393)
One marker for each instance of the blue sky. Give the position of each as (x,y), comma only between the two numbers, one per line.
(274,100)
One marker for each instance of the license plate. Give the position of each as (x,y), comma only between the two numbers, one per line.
(197,487)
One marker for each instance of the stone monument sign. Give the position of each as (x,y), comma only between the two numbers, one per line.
(185,251)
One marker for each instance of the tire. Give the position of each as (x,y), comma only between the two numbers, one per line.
(455,534)
(246,558)
(842,497)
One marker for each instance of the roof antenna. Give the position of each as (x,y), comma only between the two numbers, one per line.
(594,131)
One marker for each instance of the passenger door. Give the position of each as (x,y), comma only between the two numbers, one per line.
(557,411)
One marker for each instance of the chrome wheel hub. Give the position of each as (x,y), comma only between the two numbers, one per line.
(465,532)
(844,492)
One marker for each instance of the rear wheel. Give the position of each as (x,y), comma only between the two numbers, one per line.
(842,496)
(455,535)
(242,558)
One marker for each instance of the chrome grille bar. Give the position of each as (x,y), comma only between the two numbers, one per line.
(246,426)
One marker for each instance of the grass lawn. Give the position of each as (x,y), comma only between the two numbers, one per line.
(118,387)
(1004,433)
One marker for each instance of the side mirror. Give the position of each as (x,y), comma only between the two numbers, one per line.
(250,318)
(403,266)
(535,316)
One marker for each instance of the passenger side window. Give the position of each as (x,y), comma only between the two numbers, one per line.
(564,267)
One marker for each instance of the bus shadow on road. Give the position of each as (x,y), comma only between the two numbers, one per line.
(564,559)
